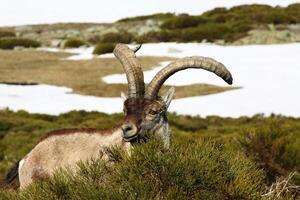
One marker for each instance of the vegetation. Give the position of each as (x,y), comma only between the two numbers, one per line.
(10,43)
(108,40)
(5,33)
(220,23)
(224,25)
(211,158)
(74,43)
(158,16)
(121,37)
(103,48)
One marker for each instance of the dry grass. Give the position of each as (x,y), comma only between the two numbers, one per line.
(83,76)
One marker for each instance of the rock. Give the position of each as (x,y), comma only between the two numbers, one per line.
(145,29)
(173,50)
(151,22)
(23,28)
(272,36)
(220,42)
(56,42)
(18,48)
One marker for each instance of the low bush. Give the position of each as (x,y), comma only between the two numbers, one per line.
(183,21)
(222,23)
(196,171)
(103,48)
(121,37)
(215,157)
(158,16)
(7,34)
(274,149)
(161,36)
(11,43)
(74,43)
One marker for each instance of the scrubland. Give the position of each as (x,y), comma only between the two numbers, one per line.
(211,158)
(220,25)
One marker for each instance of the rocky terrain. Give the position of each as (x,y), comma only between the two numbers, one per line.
(264,25)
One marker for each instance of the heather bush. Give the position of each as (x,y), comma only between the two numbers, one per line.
(185,171)
(183,21)
(276,150)
(221,23)
(158,16)
(103,48)
(74,43)
(10,43)
(120,37)
(213,157)
(7,34)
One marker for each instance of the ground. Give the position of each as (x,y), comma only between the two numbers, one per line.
(83,76)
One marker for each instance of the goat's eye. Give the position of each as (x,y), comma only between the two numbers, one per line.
(152,112)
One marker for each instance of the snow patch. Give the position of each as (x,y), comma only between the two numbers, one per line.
(53,100)
(269,75)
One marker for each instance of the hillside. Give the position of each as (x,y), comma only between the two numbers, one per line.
(246,24)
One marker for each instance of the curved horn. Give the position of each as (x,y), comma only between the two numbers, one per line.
(197,62)
(136,48)
(133,70)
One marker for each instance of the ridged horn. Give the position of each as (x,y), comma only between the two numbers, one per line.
(196,62)
(132,68)
(136,48)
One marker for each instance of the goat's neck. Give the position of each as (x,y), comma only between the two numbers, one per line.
(163,132)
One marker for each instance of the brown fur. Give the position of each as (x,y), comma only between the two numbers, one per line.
(68,131)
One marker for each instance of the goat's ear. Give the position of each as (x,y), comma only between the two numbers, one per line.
(123,96)
(169,96)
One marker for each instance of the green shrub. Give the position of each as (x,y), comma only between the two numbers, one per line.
(274,149)
(74,43)
(158,16)
(209,32)
(7,34)
(205,157)
(222,23)
(188,123)
(161,36)
(103,48)
(121,37)
(10,43)
(199,171)
(216,11)
(183,21)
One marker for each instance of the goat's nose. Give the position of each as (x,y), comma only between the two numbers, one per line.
(129,130)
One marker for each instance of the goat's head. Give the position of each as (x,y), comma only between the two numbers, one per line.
(145,110)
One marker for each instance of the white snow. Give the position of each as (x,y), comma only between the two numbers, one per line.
(82,53)
(53,100)
(269,75)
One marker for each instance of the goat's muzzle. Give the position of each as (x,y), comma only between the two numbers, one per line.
(129,132)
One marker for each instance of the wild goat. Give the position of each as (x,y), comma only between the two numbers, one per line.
(145,115)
